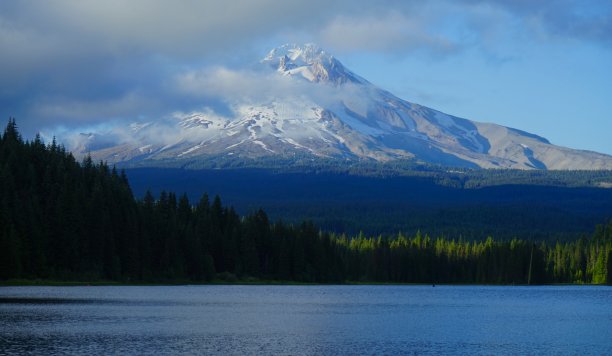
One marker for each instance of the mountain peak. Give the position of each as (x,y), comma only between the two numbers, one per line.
(357,121)
(310,62)
(307,53)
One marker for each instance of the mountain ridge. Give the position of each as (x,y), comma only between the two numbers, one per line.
(335,113)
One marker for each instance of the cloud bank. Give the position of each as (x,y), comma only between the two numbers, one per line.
(82,63)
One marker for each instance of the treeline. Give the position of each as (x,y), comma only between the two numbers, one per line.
(60,219)
(455,177)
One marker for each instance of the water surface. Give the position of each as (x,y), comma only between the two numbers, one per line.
(306,320)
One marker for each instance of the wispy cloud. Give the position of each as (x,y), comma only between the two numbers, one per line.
(221,93)
(261,86)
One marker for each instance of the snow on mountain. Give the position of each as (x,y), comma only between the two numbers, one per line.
(311,63)
(340,115)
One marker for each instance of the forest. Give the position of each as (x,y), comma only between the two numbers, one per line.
(353,203)
(61,219)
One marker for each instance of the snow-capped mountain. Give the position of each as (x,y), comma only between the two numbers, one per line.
(333,113)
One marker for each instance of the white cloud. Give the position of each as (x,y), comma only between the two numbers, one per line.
(251,86)
(177,28)
(390,32)
(235,88)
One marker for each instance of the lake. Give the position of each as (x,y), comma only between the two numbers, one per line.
(316,320)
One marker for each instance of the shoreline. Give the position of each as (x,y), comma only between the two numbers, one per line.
(102,283)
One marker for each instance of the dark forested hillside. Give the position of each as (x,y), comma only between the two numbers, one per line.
(442,175)
(350,203)
(64,220)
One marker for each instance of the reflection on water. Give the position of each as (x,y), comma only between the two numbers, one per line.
(306,320)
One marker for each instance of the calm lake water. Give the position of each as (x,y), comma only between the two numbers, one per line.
(306,320)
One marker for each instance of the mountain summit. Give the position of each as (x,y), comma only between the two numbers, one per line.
(330,112)
(311,63)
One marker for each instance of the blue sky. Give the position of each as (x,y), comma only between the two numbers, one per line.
(540,66)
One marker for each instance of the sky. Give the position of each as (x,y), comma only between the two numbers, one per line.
(541,66)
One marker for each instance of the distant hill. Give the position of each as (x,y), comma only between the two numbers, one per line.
(434,202)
